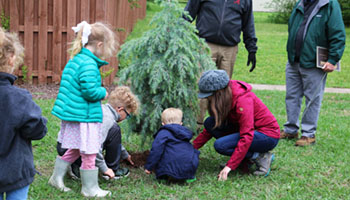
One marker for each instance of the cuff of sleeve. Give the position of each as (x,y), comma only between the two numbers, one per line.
(103,167)
(332,61)
(125,155)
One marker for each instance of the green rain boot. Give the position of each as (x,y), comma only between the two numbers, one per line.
(89,181)
(60,170)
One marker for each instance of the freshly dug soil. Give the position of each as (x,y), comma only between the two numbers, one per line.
(48,91)
(139,158)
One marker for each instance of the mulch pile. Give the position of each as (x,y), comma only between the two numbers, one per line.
(49,91)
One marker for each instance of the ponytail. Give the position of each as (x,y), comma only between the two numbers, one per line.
(76,45)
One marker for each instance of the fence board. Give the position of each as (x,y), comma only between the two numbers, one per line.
(44,27)
(57,40)
(28,35)
(84,14)
(71,19)
(42,40)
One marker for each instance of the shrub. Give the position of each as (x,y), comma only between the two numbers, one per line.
(163,67)
(284,9)
(345,6)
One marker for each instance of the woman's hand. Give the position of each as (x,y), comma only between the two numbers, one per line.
(147,172)
(224,173)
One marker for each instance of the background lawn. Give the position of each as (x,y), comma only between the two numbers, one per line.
(271,55)
(316,172)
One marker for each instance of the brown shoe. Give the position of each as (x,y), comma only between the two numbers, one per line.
(304,141)
(285,135)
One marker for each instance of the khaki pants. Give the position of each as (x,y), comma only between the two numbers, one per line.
(224,58)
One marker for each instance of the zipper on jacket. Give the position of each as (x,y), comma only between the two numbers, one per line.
(222,18)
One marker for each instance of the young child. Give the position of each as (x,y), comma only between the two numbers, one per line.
(78,105)
(121,102)
(172,155)
(20,122)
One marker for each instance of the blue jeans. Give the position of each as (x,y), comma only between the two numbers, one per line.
(19,194)
(227,137)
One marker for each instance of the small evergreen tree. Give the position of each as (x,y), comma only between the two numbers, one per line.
(163,67)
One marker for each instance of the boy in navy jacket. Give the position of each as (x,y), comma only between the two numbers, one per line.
(172,155)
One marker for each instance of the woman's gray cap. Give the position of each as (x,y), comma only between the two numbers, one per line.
(211,81)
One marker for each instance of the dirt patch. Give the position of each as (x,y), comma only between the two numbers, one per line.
(48,91)
(139,158)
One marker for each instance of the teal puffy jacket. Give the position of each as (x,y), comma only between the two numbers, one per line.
(80,94)
(325,29)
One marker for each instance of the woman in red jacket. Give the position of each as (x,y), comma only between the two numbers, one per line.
(243,126)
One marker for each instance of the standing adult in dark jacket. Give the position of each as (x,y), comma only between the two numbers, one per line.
(20,122)
(312,23)
(172,155)
(220,23)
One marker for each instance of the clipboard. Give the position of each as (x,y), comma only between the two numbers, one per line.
(322,57)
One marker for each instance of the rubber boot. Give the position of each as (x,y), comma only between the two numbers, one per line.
(60,170)
(89,181)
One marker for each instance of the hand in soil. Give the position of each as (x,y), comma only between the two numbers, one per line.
(130,161)
(147,172)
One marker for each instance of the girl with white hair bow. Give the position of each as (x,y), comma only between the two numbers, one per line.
(78,105)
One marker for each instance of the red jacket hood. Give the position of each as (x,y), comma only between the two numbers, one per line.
(239,88)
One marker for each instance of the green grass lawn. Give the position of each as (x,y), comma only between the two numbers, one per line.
(271,55)
(316,172)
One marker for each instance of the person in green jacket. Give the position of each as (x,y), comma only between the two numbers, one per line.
(312,24)
(78,105)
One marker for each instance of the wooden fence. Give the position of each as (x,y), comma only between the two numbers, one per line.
(44,27)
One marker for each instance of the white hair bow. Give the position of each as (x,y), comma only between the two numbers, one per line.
(86,31)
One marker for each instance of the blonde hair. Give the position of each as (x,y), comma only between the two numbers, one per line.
(172,116)
(100,32)
(122,96)
(10,46)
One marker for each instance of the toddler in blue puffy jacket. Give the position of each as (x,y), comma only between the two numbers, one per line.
(172,156)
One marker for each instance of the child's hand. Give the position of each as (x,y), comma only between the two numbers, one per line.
(147,172)
(130,161)
(109,173)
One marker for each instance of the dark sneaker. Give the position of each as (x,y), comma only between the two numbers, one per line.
(263,163)
(305,141)
(285,135)
(121,172)
(73,172)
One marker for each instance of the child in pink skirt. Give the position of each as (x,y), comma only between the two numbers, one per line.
(78,105)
